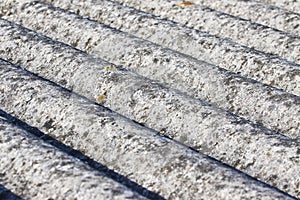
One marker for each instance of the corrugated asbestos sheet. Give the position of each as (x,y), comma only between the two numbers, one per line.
(160,99)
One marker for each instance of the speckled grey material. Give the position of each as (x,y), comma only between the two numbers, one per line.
(292,5)
(226,54)
(148,158)
(258,12)
(275,109)
(227,26)
(187,120)
(155,162)
(36,170)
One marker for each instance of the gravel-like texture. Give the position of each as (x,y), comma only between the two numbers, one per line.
(187,120)
(34,169)
(258,12)
(292,5)
(273,108)
(239,30)
(159,162)
(155,162)
(226,54)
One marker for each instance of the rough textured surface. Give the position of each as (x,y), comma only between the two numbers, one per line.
(292,5)
(34,170)
(256,11)
(158,163)
(152,104)
(226,54)
(187,120)
(227,26)
(273,108)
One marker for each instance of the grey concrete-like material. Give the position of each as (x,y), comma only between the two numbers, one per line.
(292,5)
(34,169)
(192,122)
(258,12)
(275,109)
(156,162)
(226,54)
(239,30)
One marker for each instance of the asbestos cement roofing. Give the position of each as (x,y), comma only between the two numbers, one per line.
(159,99)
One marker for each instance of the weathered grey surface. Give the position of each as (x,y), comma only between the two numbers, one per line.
(226,54)
(147,158)
(292,5)
(34,169)
(187,120)
(273,108)
(258,12)
(227,26)
(158,163)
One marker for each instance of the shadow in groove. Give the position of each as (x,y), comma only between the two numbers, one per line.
(75,153)
(6,194)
